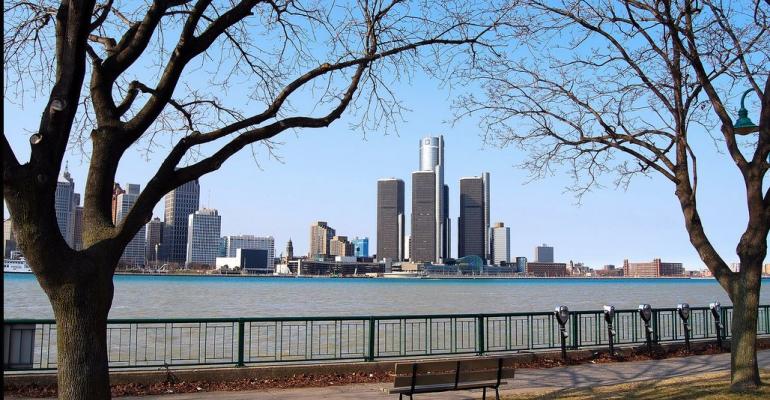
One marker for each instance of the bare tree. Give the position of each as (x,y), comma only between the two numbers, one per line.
(627,87)
(118,75)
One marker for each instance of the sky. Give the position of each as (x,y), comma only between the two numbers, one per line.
(331,174)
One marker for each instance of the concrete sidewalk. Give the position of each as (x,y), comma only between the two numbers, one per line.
(527,380)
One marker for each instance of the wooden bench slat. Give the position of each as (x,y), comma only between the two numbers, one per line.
(423,380)
(433,366)
(441,388)
(479,365)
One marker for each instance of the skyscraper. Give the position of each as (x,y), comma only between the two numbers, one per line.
(361,246)
(544,254)
(501,244)
(154,238)
(135,252)
(116,191)
(289,250)
(431,172)
(203,237)
(340,246)
(390,219)
(180,203)
(473,228)
(77,239)
(320,235)
(65,206)
(9,238)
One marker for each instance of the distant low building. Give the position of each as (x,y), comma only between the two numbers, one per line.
(766,269)
(654,269)
(546,269)
(251,261)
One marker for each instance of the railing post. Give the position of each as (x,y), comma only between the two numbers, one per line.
(241,333)
(370,354)
(575,330)
(655,332)
(480,330)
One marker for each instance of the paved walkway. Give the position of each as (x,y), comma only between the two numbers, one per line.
(584,375)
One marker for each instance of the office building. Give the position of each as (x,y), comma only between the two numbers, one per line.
(78,224)
(116,191)
(544,254)
(360,247)
(473,223)
(390,219)
(64,204)
(179,204)
(248,261)
(251,242)
(521,265)
(435,239)
(9,238)
(653,269)
(340,246)
(135,253)
(203,237)
(320,235)
(546,269)
(501,244)
(154,238)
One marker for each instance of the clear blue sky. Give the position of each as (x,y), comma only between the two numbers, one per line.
(330,174)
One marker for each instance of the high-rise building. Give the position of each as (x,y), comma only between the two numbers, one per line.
(501,244)
(423,246)
(9,238)
(203,237)
(521,264)
(473,224)
(340,246)
(390,219)
(289,250)
(653,269)
(431,164)
(135,253)
(116,191)
(154,239)
(65,206)
(544,254)
(179,203)
(78,224)
(320,235)
(360,247)
(251,242)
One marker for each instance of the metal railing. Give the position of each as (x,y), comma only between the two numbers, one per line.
(147,343)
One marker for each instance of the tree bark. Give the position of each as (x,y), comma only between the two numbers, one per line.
(743,358)
(81,307)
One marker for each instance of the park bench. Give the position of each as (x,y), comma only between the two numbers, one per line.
(440,376)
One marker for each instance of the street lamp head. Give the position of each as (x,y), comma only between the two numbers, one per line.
(743,124)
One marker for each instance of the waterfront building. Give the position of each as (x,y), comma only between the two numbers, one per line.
(408,247)
(473,223)
(64,204)
(203,237)
(546,269)
(653,269)
(248,261)
(501,244)
(154,239)
(766,269)
(320,235)
(521,265)
(390,219)
(116,191)
(544,254)
(361,247)
(9,238)
(179,204)
(78,224)
(609,270)
(135,253)
(340,246)
(251,242)
(427,239)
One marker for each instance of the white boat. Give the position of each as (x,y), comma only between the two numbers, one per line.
(19,266)
(403,274)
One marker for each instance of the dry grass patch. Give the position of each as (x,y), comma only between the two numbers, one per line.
(713,386)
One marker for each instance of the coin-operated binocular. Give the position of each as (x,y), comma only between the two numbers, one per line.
(609,316)
(562,316)
(645,312)
(716,311)
(684,313)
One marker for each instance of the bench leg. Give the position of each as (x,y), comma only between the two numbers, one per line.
(484,396)
(497,394)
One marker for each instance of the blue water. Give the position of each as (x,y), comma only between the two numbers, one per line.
(168,296)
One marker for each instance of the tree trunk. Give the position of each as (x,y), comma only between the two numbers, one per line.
(81,307)
(743,357)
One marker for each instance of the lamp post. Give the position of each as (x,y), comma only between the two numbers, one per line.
(609,315)
(743,125)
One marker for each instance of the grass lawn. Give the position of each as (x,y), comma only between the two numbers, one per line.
(713,386)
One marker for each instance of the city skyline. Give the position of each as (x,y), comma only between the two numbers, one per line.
(279,202)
